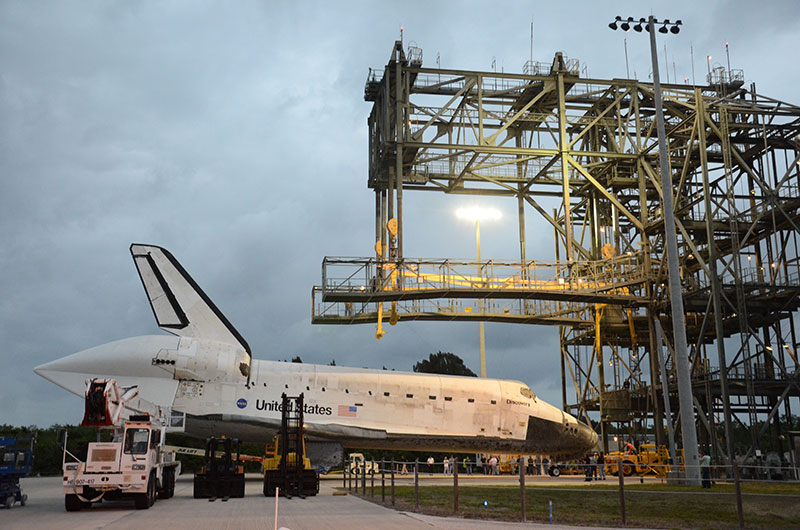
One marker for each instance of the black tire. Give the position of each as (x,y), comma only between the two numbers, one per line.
(143,501)
(172,483)
(24,499)
(627,468)
(555,472)
(163,491)
(152,486)
(8,502)
(269,486)
(72,503)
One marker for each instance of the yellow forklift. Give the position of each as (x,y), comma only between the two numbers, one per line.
(287,468)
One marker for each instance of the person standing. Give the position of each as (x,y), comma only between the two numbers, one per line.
(445,465)
(705,469)
(530,465)
(430,465)
(593,463)
(601,465)
(468,465)
(485,464)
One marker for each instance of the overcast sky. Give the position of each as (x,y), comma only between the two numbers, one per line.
(234,134)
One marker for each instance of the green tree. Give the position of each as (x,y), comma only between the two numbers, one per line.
(445,363)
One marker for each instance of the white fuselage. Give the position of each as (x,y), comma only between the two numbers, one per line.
(356,407)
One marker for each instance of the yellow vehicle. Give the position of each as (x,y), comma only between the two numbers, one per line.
(272,457)
(286,468)
(649,459)
(508,462)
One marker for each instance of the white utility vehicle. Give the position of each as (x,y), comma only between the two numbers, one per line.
(132,466)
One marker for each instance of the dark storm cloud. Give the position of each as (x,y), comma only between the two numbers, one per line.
(234,134)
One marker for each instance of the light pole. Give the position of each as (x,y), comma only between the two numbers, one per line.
(688,430)
(476,214)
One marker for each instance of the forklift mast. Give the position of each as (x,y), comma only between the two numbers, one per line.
(291,470)
(288,471)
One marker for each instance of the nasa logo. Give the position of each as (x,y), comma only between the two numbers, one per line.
(242,403)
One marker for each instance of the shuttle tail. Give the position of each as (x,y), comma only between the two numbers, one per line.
(179,304)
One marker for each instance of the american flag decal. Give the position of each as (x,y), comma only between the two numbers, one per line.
(345,410)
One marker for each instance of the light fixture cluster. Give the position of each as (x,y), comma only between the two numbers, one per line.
(625,25)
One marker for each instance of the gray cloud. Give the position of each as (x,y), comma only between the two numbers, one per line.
(235,135)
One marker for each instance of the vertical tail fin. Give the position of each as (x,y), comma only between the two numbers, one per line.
(179,304)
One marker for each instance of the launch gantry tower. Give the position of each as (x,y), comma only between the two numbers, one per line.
(581,154)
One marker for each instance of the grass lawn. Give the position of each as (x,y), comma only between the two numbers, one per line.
(647,505)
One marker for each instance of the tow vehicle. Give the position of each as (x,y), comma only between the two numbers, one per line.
(132,466)
(16,461)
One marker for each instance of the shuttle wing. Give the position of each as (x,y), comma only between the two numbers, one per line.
(179,304)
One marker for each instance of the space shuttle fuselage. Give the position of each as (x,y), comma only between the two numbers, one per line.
(204,371)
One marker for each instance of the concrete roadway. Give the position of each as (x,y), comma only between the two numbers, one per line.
(326,511)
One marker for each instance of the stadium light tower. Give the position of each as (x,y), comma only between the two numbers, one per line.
(689,433)
(476,214)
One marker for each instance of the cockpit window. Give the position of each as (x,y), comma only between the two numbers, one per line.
(136,441)
(527,392)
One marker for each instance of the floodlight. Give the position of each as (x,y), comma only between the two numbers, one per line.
(625,26)
(675,29)
(478,214)
(613,26)
(663,29)
(638,27)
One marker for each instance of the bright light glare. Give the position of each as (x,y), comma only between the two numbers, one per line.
(478,214)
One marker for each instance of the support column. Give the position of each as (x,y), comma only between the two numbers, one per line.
(715,283)
(563,148)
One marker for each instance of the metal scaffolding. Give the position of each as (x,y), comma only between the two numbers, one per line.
(553,136)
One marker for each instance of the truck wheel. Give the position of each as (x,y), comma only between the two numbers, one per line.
(72,503)
(24,500)
(555,472)
(172,483)
(9,502)
(269,487)
(163,491)
(143,501)
(152,486)
(627,468)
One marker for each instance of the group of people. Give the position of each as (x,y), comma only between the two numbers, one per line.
(489,465)
(594,466)
(449,464)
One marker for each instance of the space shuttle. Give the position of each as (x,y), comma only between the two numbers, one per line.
(203,371)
